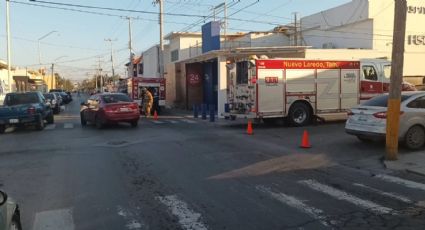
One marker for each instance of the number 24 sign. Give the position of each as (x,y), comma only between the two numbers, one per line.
(271,80)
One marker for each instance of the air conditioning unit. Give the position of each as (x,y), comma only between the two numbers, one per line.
(328,45)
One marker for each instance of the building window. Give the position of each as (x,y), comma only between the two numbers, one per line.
(242,72)
(370,73)
(141,68)
(174,55)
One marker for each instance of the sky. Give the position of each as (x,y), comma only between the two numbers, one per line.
(78,46)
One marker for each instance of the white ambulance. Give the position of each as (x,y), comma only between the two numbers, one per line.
(300,89)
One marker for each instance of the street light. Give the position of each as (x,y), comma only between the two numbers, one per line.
(53,68)
(41,38)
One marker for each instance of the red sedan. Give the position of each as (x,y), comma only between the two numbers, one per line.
(109,108)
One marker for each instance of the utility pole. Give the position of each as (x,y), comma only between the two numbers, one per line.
(225,23)
(161,36)
(100,75)
(53,76)
(295,29)
(112,55)
(130,42)
(394,98)
(9,64)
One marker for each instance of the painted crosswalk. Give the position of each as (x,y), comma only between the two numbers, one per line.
(54,219)
(299,205)
(314,207)
(188,218)
(345,196)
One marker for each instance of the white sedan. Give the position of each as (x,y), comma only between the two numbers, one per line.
(368,120)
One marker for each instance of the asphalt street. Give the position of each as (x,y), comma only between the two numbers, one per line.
(185,173)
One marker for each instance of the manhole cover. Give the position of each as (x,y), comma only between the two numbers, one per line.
(117,142)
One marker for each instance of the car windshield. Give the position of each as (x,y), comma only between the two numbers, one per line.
(114,98)
(382,100)
(17,99)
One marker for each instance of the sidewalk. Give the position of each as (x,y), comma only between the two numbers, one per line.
(411,162)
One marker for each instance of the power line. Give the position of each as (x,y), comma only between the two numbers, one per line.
(118,9)
(241,9)
(134,11)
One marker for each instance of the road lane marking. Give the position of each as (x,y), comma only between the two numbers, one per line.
(172,121)
(341,195)
(131,222)
(189,121)
(50,127)
(68,126)
(188,219)
(383,193)
(400,181)
(293,202)
(54,220)
(157,122)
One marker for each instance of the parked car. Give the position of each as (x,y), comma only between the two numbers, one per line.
(65,97)
(55,90)
(52,99)
(21,109)
(368,120)
(106,108)
(59,97)
(10,218)
(70,95)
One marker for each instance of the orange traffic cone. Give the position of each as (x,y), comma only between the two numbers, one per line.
(155,115)
(305,143)
(249,128)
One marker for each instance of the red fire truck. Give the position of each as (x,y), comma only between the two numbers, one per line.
(300,89)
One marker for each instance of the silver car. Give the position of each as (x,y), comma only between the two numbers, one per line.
(9,213)
(368,120)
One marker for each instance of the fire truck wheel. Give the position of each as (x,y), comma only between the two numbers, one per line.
(299,114)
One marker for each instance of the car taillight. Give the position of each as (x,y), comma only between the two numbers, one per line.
(134,106)
(383,115)
(31,110)
(108,109)
(350,113)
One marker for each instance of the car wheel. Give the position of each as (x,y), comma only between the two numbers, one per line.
(50,118)
(2,129)
(299,114)
(415,137)
(98,123)
(134,124)
(40,124)
(16,223)
(83,120)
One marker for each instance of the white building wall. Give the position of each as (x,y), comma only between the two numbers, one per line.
(344,54)
(368,24)
(188,47)
(150,62)
(383,13)
(260,39)
(345,26)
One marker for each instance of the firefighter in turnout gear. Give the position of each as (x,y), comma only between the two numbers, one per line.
(147,101)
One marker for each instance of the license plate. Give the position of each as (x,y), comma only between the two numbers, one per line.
(124,109)
(13,121)
(362,119)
